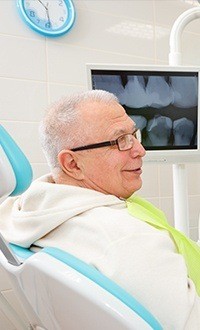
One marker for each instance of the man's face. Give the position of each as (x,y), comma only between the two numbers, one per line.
(107,169)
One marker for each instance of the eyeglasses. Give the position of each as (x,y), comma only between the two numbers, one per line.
(123,142)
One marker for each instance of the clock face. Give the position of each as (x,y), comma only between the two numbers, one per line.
(49,17)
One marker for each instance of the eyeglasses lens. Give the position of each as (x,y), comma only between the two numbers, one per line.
(126,142)
(138,135)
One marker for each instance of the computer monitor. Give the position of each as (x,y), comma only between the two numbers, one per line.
(162,101)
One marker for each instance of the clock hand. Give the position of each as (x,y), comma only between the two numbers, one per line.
(47,12)
(46,8)
(42,4)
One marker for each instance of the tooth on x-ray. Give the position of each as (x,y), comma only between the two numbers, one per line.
(185,91)
(135,92)
(139,121)
(159,131)
(112,84)
(159,92)
(183,131)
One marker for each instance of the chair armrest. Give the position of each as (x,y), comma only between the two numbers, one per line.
(104,282)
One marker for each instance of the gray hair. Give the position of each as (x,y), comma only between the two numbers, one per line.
(56,129)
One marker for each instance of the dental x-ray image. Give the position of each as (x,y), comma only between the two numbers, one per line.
(112,84)
(159,131)
(163,104)
(159,92)
(135,92)
(140,121)
(183,129)
(184,91)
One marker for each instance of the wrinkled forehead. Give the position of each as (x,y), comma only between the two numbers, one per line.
(106,120)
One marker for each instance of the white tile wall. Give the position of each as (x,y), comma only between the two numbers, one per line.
(14,25)
(60,56)
(167,11)
(193,175)
(167,206)
(26,135)
(117,34)
(39,169)
(194,233)
(22,58)
(166,180)
(22,100)
(35,71)
(126,8)
(57,91)
(150,187)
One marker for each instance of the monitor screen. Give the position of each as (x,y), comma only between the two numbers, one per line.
(163,103)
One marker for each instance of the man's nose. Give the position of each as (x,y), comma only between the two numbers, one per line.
(138,149)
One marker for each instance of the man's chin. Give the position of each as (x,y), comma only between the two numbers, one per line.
(134,189)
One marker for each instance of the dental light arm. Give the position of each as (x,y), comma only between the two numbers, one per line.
(181,209)
(175,56)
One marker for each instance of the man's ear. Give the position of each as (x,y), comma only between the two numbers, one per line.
(69,163)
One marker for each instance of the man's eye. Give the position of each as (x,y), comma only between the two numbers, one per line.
(123,141)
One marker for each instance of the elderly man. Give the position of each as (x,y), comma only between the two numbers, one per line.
(95,158)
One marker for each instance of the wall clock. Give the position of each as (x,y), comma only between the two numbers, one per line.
(50,18)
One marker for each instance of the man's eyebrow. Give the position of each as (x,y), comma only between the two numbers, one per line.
(119,132)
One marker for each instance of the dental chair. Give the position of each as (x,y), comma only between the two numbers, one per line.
(56,290)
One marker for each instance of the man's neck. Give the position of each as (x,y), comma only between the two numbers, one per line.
(60,177)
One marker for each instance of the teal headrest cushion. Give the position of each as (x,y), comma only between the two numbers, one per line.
(20,164)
